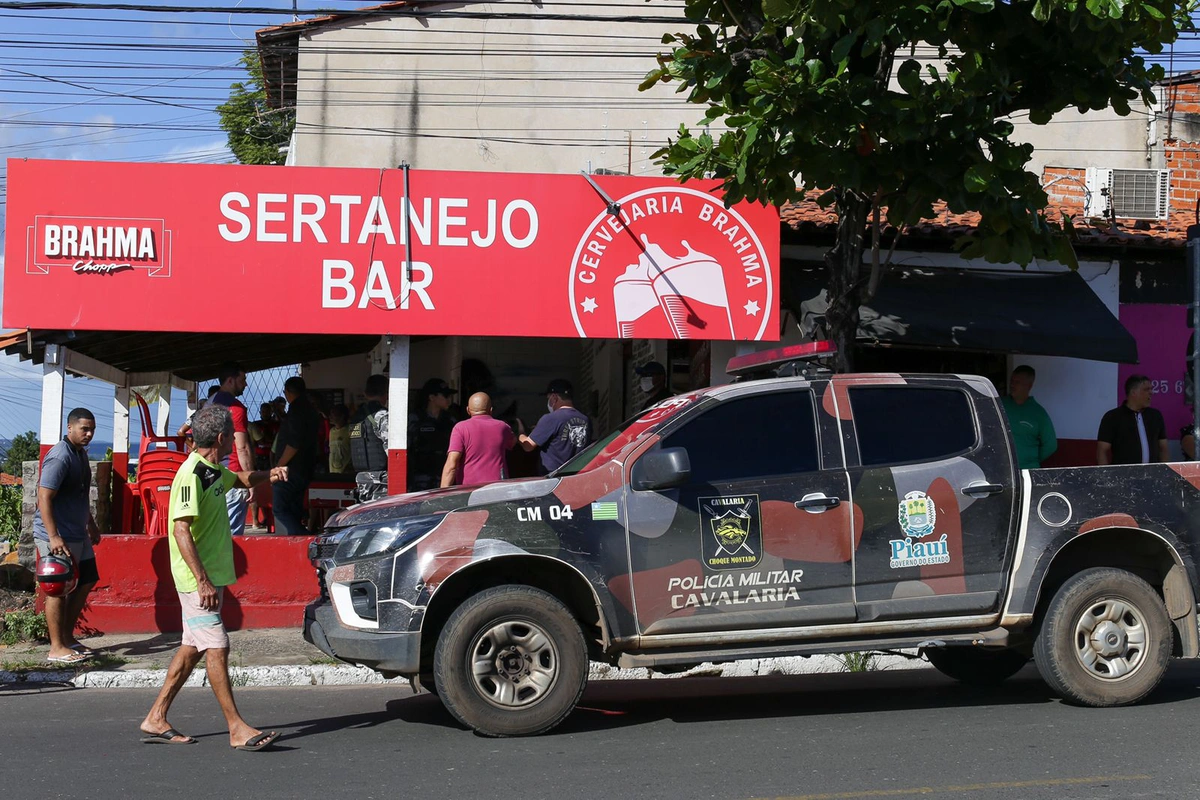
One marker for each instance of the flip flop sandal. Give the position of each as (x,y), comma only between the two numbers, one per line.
(258,742)
(166,737)
(73,658)
(83,648)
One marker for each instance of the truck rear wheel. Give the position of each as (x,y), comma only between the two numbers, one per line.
(511,661)
(1105,640)
(976,666)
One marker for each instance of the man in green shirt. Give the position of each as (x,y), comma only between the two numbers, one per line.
(1033,432)
(202,565)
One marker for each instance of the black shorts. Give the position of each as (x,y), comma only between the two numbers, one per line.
(88,572)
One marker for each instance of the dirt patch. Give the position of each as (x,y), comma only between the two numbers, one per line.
(14,601)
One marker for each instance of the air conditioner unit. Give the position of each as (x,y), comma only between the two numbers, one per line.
(1128,193)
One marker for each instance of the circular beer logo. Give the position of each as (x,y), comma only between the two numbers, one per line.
(674,264)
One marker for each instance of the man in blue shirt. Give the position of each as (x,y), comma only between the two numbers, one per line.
(63,525)
(562,433)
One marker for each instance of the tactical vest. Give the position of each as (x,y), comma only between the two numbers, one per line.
(368,453)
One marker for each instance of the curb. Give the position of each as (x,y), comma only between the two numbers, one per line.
(345,675)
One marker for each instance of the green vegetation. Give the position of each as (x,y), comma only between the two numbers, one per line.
(256,132)
(858,662)
(24,626)
(887,108)
(23,448)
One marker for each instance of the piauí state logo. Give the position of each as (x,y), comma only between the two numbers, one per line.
(918,515)
(676,264)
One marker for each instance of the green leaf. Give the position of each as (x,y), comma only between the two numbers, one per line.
(778,9)
(979,178)
(842,47)
(909,77)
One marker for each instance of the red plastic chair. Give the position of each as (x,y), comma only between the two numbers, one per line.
(156,471)
(155,490)
(149,437)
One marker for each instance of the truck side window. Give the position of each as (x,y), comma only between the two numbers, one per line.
(899,424)
(751,437)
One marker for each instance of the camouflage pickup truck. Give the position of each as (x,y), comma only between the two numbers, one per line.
(813,513)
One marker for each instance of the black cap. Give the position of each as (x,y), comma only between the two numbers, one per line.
(651,368)
(438,386)
(560,387)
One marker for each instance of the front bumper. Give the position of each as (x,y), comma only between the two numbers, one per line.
(396,653)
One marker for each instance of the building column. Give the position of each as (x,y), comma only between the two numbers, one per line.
(164,410)
(397,442)
(53,374)
(122,498)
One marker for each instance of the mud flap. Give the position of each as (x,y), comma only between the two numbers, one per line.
(1181,606)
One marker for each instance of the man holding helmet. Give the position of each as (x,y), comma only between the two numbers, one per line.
(63,526)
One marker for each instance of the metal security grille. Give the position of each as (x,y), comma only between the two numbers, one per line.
(1140,193)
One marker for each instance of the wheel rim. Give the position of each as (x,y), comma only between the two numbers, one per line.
(513,664)
(1110,639)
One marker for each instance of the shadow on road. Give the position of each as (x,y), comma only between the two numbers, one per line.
(608,705)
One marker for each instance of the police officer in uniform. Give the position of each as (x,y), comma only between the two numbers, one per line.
(429,436)
(369,428)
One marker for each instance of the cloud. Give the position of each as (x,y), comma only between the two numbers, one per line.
(214,151)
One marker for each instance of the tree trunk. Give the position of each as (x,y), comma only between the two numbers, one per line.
(844,265)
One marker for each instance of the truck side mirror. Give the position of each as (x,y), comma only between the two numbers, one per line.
(662,469)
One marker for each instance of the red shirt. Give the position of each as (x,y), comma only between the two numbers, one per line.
(483,441)
(240,419)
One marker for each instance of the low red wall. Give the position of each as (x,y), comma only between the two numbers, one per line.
(1073,453)
(136,594)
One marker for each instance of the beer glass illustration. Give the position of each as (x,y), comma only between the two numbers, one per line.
(691,291)
(633,298)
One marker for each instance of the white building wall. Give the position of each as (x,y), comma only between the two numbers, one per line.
(524,94)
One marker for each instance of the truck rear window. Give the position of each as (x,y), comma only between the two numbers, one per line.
(902,424)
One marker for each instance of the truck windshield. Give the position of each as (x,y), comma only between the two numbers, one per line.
(643,424)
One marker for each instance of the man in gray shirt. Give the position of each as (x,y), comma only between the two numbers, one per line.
(63,525)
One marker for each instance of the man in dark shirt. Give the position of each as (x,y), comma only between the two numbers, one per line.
(298,452)
(1133,432)
(653,383)
(561,434)
(63,525)
(429,436)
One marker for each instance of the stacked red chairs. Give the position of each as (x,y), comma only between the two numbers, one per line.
(159,458)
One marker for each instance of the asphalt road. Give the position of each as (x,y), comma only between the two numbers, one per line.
(823,737)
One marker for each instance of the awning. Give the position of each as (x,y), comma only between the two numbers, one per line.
(191,356)
(1033,313)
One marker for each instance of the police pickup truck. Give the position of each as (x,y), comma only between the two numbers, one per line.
(795,515)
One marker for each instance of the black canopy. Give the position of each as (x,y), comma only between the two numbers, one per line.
(1034,313)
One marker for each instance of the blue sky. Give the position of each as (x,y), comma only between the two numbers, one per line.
(113,86)
(133,86)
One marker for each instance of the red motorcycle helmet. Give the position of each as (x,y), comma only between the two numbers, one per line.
(57,575)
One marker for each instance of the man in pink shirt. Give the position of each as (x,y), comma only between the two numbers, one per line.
(477,446)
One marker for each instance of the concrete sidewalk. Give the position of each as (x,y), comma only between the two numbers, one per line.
(281,657)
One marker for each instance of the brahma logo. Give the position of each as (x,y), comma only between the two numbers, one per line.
(675,264)
(99,245)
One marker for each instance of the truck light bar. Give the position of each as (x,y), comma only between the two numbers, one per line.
(772,360)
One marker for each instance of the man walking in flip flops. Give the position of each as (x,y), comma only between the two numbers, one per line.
(202,566)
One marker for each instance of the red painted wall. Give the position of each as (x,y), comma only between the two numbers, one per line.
(136,594)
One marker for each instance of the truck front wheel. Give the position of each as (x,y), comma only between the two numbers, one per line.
(511,661)
(1105,640)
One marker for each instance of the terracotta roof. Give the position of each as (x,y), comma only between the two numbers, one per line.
(807,218)
(10,480)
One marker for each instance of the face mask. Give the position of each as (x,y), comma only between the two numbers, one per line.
(647,384)
(550,406)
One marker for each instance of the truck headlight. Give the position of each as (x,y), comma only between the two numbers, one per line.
(370,540)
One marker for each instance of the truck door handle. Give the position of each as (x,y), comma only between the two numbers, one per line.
(817,502)
(981,489)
